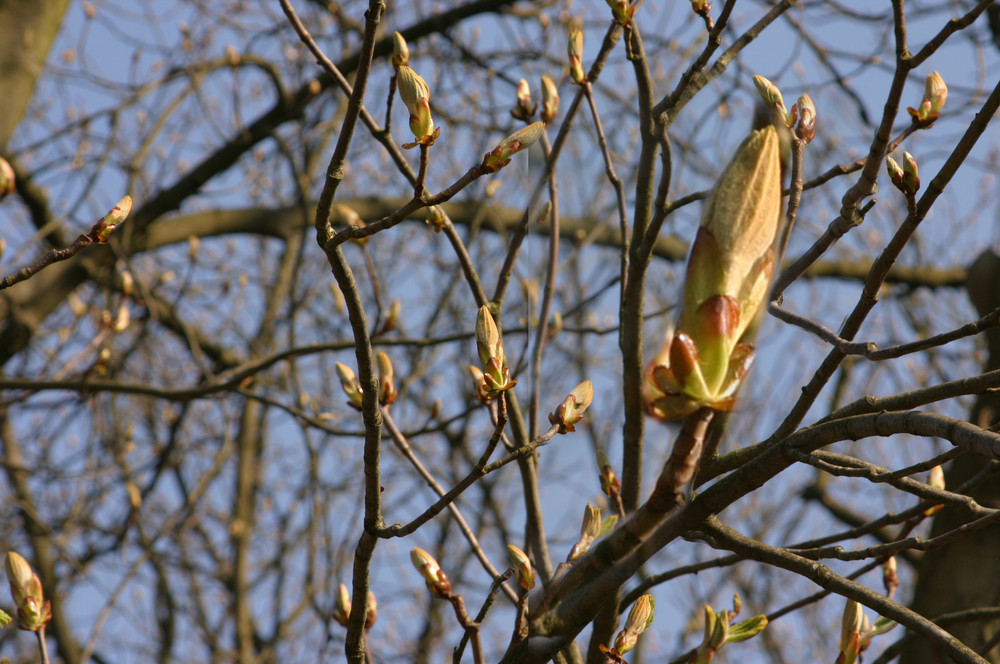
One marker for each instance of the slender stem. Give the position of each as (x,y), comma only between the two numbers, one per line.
(43,648)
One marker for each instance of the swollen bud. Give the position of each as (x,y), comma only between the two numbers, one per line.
(342,612)
(107,224)
(910,180)
(386,385)
(524,108)
(936,479)
(496,375)
(638,621)
(33,609)
(351,385)
(574,50)
(621,11)
(416,96)
(435,578)
(550,100)
(805,112)
(400,51)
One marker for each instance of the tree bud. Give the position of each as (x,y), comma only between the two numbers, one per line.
(524,108)
(342,612)
(571,410)
(351,385)
(574,50)
(521,565)
(435,578)
(550,100)
(386,386)
(400,51)
(33,609)
(935,95)
(107,224)
(522,139)
(771,95)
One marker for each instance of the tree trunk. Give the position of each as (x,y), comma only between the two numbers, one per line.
(965,574)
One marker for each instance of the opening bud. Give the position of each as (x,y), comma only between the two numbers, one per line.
(400,51)
(640,617)
(522,139)
(351,385)
(570,411)
(521,565)
(479,383)
(935,95)
(550,100)
(435,578)
(416,96)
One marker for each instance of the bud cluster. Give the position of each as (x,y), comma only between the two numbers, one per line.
(906,178)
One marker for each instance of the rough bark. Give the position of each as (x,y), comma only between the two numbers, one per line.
(963,574)
(27,30)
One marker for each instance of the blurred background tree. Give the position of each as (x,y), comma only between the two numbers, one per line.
(180,465)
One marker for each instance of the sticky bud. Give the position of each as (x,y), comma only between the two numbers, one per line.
(640,617)
(107,224)
(520,140)
(571,410)
(435,578)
